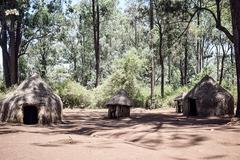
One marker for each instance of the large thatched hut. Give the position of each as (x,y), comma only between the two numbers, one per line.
(208,98)
(33,102)
(119,105)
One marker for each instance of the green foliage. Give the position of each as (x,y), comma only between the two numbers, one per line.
(73,94)
(57,42)
(170,94)
(227,84)
(126,72)
(197,77)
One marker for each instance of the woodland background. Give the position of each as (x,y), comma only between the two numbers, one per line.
(88,49)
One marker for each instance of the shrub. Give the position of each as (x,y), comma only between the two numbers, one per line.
(73,94)
(126,71)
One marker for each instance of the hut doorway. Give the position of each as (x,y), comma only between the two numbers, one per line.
(192,107)
(30,115)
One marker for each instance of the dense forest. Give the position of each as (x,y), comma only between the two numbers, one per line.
(88,49)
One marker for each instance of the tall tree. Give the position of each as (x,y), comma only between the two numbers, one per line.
(11,17)
(96,25)
(234,37)
(235,12)
(151,20)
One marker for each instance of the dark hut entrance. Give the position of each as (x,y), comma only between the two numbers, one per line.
(30,115)
(192,107)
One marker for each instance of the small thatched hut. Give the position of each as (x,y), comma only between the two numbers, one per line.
(119,105)
(33,102)
(179,102)
(208,98)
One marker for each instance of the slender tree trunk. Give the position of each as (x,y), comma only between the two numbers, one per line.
(222,64)
(161,60)
(217,55)
(43,62)
(186,61)
(96,24)
(198,42)
(12,52)
(169,69)
(82,69)
(135,32)
(181,72)
(151,19)
(162,79)
(235,12)
(232,65)
(17,44)
(75,66)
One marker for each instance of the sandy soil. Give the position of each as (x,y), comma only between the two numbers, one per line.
(147,135)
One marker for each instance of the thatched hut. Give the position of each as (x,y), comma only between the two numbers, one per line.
(119,105)
(208,98)
(33,102)
(179,102)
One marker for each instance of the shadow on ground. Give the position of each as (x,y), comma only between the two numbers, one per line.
(147,130)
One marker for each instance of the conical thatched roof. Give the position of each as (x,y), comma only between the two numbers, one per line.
(207,86)
(121,98)
(180,97)
(210,97)
(32,92)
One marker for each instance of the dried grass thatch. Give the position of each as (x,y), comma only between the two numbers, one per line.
(121,98)
(119,105)
(33,92)
(209,99)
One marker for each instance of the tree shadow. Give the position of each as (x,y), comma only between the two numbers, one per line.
(142,129)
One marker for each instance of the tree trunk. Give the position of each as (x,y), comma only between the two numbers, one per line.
(198,42)
(96,24)
(217,55)
(151,19)
(135,32)
(222,64)
(161,61)
(75,76)
(17,44)
(235,11)
(43,62)
(169,68)
(181,72)
(186,61)
(232,66)
(6,64)
(10,43)
(12,52)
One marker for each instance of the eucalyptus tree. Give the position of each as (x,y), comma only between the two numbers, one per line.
(11,24)
(22,23)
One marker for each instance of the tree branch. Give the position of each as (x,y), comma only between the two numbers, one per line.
(25,46)
(218,22)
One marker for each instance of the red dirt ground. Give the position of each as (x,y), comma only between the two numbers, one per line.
(147,135)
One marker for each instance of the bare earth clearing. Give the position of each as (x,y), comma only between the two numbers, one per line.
(147,135)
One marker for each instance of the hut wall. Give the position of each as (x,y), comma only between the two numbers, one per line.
(122,111)
(210,107)
(111,111)
(46,114)
(118,111)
